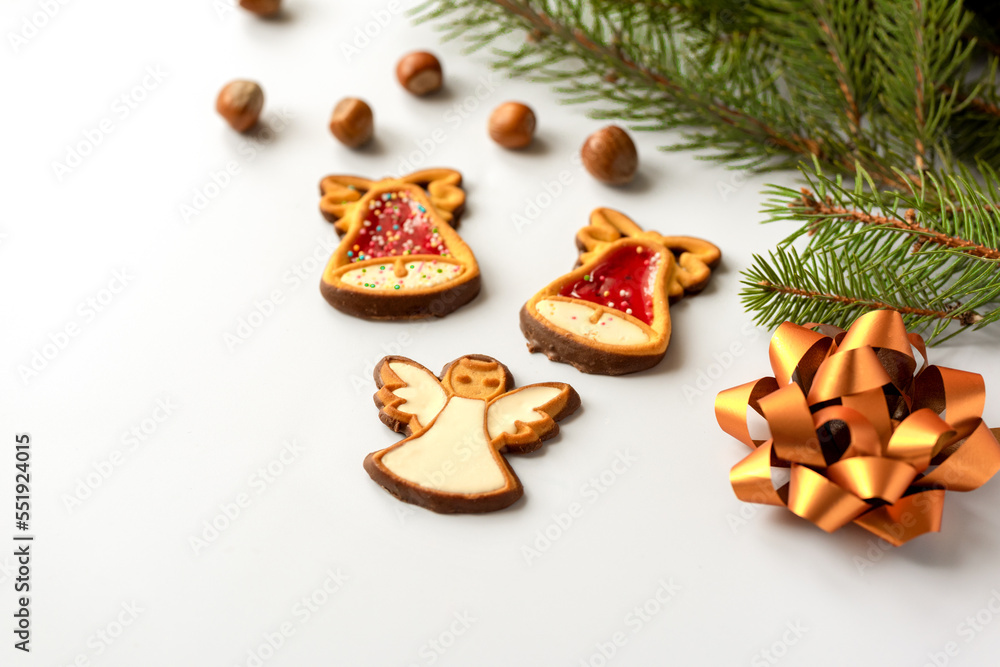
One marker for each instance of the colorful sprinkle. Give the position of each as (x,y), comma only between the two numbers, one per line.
(397,225)
(423,274)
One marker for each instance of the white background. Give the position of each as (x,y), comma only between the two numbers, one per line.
(744,575)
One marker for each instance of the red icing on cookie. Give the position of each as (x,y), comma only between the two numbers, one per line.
(623,280)
(396,225)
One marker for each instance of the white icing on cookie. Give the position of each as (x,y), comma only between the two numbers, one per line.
(453,456)
(518,405)
(423,392)
(419,274)
(574,317)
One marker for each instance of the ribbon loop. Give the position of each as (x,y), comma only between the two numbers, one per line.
(751,478)
(792,429)
(871,434)
(792,345)
(731,407)
(919,438)
(814,497)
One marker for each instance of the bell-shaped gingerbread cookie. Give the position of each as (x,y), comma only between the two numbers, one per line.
(400,256)
(611,315)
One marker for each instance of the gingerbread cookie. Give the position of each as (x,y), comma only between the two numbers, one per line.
(400,256)
(611,315)
(459,426)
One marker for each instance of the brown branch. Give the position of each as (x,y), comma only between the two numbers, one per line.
(989,46)
(853,114)
(964,318)
(908,224)
(982,106)
(919,161)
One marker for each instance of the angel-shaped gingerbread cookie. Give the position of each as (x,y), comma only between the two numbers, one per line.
(611,315)
(400,256)
(459,426)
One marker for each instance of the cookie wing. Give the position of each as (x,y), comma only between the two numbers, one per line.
(520,420)
(409,395)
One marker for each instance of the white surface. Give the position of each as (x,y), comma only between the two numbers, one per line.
(304,375)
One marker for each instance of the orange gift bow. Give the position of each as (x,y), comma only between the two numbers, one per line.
(866,435)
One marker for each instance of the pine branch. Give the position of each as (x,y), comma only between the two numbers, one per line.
(654,61)
(871,249)
(861,304)
(748,125)
(919,90)
(543,26)
(883,92)
(852,112)
(810,206)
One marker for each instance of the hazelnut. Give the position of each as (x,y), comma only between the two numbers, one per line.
(240,102)
(352,122)
(261,7)
(609,155)
(512,125)
(419,72)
